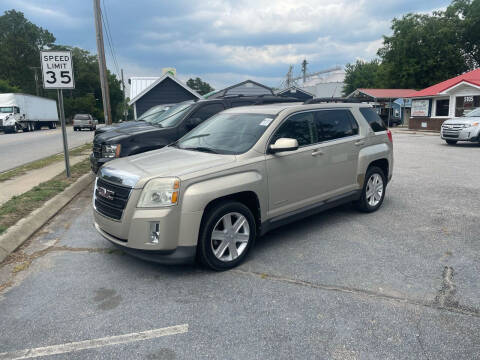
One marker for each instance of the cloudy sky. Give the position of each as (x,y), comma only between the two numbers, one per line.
(225,41)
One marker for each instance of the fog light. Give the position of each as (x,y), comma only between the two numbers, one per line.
(154,232)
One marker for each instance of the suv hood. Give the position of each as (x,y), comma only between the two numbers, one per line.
(125,124)
(461,120)
(165,162)
(123,131)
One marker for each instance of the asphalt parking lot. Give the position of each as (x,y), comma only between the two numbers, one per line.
(401,283)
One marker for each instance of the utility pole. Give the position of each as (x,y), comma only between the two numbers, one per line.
(289,76)
(102,67)
(124,108)
(37,89)
(304,70)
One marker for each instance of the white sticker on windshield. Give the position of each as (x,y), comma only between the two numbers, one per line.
(266,122)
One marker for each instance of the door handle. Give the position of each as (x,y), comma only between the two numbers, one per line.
(359,143)
(317,152)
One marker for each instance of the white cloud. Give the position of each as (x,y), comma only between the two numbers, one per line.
(33,8)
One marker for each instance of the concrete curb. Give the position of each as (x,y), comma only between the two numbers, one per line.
(17,234)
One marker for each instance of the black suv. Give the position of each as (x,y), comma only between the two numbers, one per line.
(167,127)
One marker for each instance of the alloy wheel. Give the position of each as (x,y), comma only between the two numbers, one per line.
(230,236)
(374,190)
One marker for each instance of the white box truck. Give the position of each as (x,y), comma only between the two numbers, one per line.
(26,112)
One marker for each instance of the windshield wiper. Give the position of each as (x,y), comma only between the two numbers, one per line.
(201,148)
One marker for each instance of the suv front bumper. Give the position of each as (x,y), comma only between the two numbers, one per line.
(180,255)
(466,134)
(177,232)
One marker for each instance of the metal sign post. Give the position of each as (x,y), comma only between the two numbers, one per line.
(57,71)
(64,131)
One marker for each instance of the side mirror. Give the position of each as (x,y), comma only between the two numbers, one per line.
(283,144)
(192,122)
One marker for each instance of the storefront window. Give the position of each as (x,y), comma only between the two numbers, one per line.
(465,104)
(442,107)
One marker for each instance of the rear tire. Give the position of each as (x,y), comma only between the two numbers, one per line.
(227,233)
(373,191)
(451,142)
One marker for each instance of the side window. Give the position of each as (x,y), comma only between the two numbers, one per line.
(376,123)
(335,124)
(17,110)
(207,111)
(298,126)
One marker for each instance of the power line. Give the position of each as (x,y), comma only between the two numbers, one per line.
(110,46)
(110,38)
(106,24)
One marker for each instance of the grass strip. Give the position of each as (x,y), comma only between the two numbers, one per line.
(20,206)
(23,169)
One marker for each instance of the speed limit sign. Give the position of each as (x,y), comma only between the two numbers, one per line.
(57,70)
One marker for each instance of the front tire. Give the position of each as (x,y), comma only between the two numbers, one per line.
(227,233)
(451,142)
(373,191)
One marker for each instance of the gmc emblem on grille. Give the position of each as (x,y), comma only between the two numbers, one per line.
(107,194)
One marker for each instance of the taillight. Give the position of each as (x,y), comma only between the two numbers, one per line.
(389,134)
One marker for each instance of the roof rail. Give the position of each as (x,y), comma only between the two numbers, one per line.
(332,100)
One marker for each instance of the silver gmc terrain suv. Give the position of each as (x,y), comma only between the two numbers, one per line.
(239,174)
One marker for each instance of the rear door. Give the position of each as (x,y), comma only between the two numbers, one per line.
(339,139)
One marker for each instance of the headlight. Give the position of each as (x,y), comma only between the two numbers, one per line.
(159,192)
(111,151)
(476,123)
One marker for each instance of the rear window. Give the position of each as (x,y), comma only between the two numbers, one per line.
(376,123)
(81,117)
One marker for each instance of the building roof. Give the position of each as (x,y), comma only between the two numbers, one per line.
(224,92)
(295,88)
(384,93)
(471,77)
(154,83)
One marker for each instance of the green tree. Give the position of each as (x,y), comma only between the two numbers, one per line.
(466,13)
(20,45)
(423,50)
(5,87)
(199,86)
(361,74)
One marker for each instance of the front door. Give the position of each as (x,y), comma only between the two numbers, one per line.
(295,177)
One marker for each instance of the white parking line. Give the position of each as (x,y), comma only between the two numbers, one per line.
(94,343)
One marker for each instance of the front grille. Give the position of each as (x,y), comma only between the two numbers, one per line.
(115,202)
(450,134)
(97,150)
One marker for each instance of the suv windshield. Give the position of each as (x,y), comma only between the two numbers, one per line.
(6,109)
(81,117)
(227,133)
(153,112)
(473,113)
(172,116)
